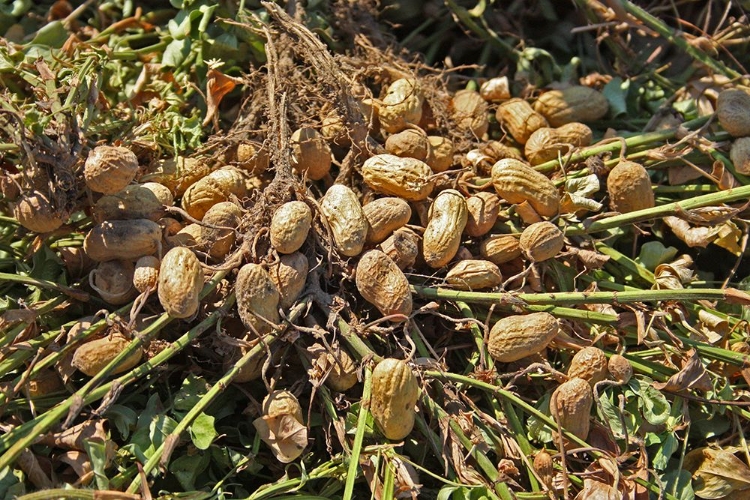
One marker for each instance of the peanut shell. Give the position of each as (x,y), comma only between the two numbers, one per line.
(402,247)
(257,298)
(619,368)
(541,241)
(517,182)
(109,169)
(381,283)
(629,187)
(447,220)
(733,110)
(483,209)
(180,283)
(289,275)
(474,275)
(590,364)
(384,216)
(215,188)
(122,239)
(500,248)
(290,226)
(113,281)
(571,405)
(546,143)
(35,212)
(218,242)
(516,337)
(440,154)
(311,154)
(412,143)
(347,220)
(572,104)
(146,273)
(519,119)
(91,357)
(133,202)
(394,395)
(407,178)
(401,106)
(469,112)
(740,155)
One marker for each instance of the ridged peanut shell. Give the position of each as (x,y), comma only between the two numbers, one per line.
(411,143)
(402,247)
(629,187)
(440,155)
(146,273)
(483,209)
(442,236)
(122,239)
(541,241)
(91,357)
(469,112)
(108,169)
(572,104)
(35,212)
(590,364)
(289,275)
(519,119)
(516,337)
(547,143)
(740,155)
(733,110)
(347,220)
(133,202)
(407,178)
(257,298)
(495,89)
(218,234)
(215,188)
(180,283)
(342,375)
(473,274)
(571,405)
(280,403)
(381,283)
(517,182)
(401,106)
(177,173)
(290,226)
(500,248)
(252,157)
(394,394)
(311,154)
(384,216)
(619,368)
(113,281)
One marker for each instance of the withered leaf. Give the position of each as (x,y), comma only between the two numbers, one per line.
(285,436)
(692,376)
(717,473)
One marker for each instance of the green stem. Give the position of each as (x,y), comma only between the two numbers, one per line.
(485,34)
(352,472)
(79,494)
(28,280)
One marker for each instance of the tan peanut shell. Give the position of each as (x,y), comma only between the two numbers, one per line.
(544,467)
(177,173)
(500,248)
(402,247)
(412,143)
(311,154)
(440,154)
(546,143)
(541,241)
(572,104)
(442,236)
(281,426)
(290,226)
(740,155)
(343,370)
(590,364)
(91,357)
(218,232)
(474,274)
(289,275)
(35,212)
(394,394)
(469,112)
(483,209)
(517,182)
(407,178)
(519,119)
(180,282)
(44,383)
(516,337)
(252,157)
(401,106)
(280,403)
(122,239)
(619,368)
(146,273)
(113,281)
(381,283)
(189,236)
(571,405)
(495,89)
(108,169)
(216,187)
(384,216)
(347,220)
(257,298)
(133,202)
(733,110)
(629,187)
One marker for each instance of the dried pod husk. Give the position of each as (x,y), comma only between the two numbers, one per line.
(289,275)
(133,202)
(740,155)
(311,154)
(517,182)
(91,357)
(122,239)
(218,242)
(215,188)
(280,403)
(472,274)
(590,364)
(519,119)
(401,106)
(381,283)
(571,406)
(733,110)
(469,112)
(341,368)
(146,273)
(252,157)
(281,426)
(290,226)
(394,394)
(180,283)
(483,209)
(108,169)
(547,143)
(178,173)
(629,187)
(347,220)
(500,248)
(189,236)
(495,89)
(257,298)
(619,368)
(402,247)
(440,153)
(384,216)
(516,337)
(35,212)
(113,281)
(541,241)
(407,178)
(447,220)
(411,142)
(572,104)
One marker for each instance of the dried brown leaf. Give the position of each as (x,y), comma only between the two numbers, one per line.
(717,473)
(692,376)
(286,436)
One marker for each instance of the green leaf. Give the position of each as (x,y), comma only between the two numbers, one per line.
(123,417)
(668,446)
(678,482)
(538,430)
(51,35)
(654,405)
(202,431)
(610,414)
(616,92)
(16,8)
(10,484)
(176,52)
(654,253)
(187,468)
(97,452)
(192,390)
